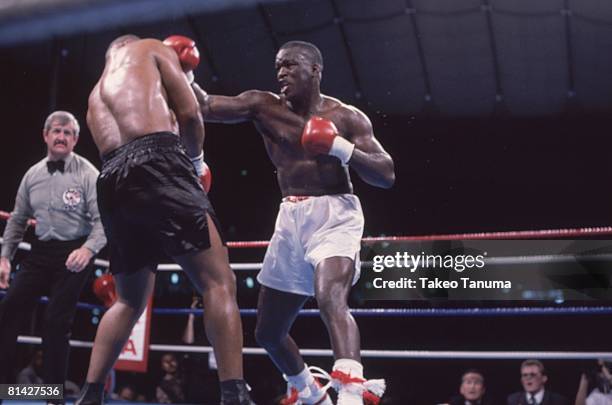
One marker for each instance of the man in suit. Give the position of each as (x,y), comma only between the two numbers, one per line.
(533,379)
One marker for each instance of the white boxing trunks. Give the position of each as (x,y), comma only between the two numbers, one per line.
(307,231)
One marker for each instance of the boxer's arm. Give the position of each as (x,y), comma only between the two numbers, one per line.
(371,162)
(240,108)
(96,239)
(181,100)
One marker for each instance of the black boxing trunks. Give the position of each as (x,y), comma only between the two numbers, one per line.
(151,203)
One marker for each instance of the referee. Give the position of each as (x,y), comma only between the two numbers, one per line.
(60,193)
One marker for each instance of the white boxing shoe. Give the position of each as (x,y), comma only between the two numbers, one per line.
(355,390)
(311,395)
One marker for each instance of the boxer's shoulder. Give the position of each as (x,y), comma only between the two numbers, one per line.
(149,46)
(262,96)
(149,42)
(342,114)
(262,100)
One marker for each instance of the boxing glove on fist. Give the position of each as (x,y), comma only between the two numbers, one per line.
(206,177)
(320,136)
(202,170)
(104,288)
(187,53)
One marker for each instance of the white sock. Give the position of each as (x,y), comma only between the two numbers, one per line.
(350,367)
(301,380)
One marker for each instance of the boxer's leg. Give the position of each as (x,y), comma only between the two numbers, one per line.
(212,276)
(276,312)
(210,272)
(333,281)
(133,292)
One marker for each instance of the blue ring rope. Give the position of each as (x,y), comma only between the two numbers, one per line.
(428,312)
(399,312)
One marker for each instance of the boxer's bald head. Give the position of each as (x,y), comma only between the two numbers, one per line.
(121,41)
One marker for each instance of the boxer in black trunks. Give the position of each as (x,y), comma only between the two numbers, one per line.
(151,202)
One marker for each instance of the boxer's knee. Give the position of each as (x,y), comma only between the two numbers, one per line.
(268,338)
(226,281)
(209,269)
(332,307)
(133,307)
(220,292)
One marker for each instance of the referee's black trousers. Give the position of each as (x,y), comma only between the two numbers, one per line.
(43,272)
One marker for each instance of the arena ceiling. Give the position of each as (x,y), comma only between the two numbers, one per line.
(445,57)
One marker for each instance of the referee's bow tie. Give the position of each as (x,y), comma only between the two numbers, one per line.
(52,166)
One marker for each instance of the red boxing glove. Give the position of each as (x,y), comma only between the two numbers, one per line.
(186,50)
(104,288)
(202,171)
(320,136)
(206,178)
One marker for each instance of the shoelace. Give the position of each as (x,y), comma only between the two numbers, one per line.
(370,390)
(293,395)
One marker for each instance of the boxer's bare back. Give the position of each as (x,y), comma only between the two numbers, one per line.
(140,90)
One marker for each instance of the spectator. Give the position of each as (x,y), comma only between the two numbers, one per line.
(32,373)
(71,389)
(126,393)
(170,389)
(601,382)
(472,389)
(533,379)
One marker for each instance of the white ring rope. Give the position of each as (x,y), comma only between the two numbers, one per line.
(162,267)
(547,259)
(384,354)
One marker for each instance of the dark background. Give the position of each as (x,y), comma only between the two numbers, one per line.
(497,115)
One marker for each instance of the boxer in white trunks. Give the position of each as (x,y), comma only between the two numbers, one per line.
(312,139)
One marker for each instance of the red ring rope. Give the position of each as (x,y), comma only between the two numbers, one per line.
(6,215)
(530,234)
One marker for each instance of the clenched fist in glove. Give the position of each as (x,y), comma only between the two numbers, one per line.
(202,170)
(320,136)
(187,53)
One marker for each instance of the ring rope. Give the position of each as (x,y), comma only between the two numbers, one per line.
(388,354)
(501,260)
(161,267)
(399,312)
(426,312)
(527,234)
